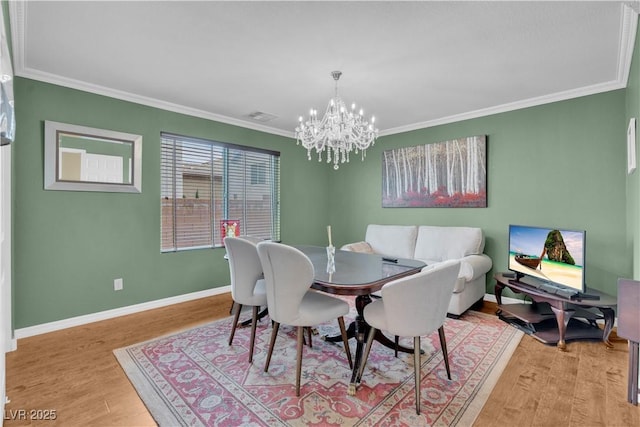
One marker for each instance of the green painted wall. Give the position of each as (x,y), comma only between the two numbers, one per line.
(70,246)
(633,180)
(561,164)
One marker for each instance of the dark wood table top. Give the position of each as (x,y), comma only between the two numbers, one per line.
(356,273)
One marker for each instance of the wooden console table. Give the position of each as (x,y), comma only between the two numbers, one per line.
(536,319)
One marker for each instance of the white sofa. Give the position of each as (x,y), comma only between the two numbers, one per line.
(432,245)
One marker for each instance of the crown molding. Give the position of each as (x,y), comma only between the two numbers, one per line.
(629,24)
(635,5)
(628,29)
(512,106)
(143,100)
(18,17)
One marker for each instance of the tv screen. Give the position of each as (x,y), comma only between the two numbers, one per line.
(548,254)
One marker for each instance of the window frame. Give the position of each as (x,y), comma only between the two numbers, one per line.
(240,177)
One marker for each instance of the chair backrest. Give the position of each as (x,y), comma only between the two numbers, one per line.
(288,275)
(244,267)
(417,305)
(253,239)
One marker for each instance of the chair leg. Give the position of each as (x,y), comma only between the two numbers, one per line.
(254,323)
(445,353)
(345,340)
(299,359)
(416,363)
(308,337)
(274,334)
(397,343)
(235,321)
(365,356)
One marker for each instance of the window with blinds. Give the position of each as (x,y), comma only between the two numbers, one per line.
(206,184)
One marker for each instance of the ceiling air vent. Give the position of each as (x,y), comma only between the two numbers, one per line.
(262,117)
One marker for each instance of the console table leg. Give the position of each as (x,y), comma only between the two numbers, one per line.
(609,317)
(562,317)
(497,290)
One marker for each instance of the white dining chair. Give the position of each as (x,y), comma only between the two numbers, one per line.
(414,306)
(289,274)
(247,283)
(253,239)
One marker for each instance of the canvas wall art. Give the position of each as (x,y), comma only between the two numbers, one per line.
(449,174)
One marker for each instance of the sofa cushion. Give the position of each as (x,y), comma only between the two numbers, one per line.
(362,247)
(444,243)
(392,240)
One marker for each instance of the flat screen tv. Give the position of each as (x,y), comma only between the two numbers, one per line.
(551,255)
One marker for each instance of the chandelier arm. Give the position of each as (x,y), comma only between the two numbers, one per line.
(338,133)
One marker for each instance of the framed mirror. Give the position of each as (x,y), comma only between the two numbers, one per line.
(80,158)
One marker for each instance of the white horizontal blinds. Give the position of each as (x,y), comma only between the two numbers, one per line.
(193,205)
(252,193)
(167,194)
(187,203)
(204,182)
(275,197)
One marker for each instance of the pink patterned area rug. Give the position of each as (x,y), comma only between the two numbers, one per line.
(194,378)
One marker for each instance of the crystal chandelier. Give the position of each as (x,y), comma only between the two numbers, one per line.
(338,133)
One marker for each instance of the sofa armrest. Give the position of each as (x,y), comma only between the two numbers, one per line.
(474,266)
(358,247)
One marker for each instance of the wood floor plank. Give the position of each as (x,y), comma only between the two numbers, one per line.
(74,372)
(555,404)
(616,385)
(543,374)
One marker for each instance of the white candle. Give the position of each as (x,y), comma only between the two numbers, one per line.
(329,234)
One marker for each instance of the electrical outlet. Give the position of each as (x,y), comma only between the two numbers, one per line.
(117,285)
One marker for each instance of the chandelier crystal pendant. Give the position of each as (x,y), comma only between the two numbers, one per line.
(340,131)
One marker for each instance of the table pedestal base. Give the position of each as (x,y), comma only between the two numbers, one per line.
(359,329)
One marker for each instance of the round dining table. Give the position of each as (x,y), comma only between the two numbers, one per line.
(358,274)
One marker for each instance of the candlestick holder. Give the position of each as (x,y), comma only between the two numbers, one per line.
(331,259)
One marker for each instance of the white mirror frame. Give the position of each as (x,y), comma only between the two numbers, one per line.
(51,164)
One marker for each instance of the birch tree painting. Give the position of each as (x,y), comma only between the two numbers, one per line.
(445,174)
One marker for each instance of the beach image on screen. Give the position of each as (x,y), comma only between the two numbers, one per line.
(548,254)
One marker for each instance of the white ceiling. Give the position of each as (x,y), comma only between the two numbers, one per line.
(412,64)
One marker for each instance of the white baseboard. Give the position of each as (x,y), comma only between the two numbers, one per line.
(136,308)
(505,300)
(116,312)
(44,328)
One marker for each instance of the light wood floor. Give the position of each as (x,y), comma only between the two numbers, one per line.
(74,373)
